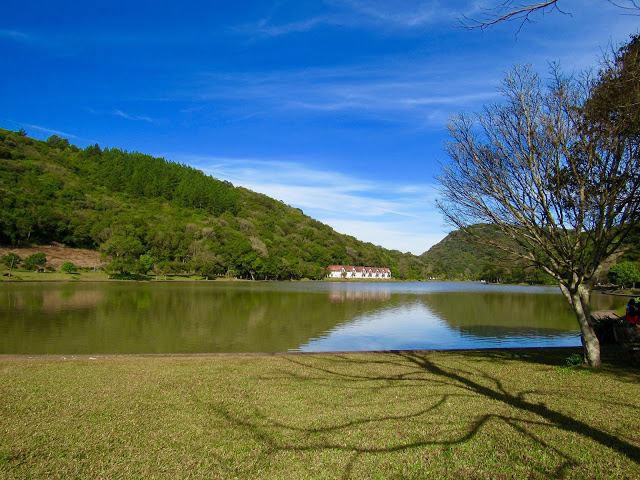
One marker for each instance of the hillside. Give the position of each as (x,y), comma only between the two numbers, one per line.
(460,256)
(456,257)
(117,206)
(127,204)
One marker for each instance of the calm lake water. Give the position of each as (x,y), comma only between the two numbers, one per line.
(208,317)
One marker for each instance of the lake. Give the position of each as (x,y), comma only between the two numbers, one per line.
(215,317)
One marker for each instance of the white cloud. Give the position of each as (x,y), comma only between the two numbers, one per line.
(402,236)
(404,93)
(406,14)
(394,15)
(266,27)
(51,131)
(120,113)
(29,126)
(16,35)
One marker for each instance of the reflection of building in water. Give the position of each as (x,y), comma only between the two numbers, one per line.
(338,296)
(342,271)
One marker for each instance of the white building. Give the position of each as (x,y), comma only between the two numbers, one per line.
(342,271)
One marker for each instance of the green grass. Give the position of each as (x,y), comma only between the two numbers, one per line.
(80,276)
(99,276)
(476,414)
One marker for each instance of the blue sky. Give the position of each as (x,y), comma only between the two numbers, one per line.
(337,107)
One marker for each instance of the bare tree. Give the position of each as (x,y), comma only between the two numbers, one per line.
(512,11)
(563,196)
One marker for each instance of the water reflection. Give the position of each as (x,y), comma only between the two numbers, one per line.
(340,294)
(85,318)
(466,319)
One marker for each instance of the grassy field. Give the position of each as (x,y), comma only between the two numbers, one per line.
(473,414)
(98,276)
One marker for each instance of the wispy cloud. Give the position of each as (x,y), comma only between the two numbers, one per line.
(397,216)
(16,35)
(396,15)
(59,45)
(54,132)
(399,13)
(401,93)
(267,27)
(37,40)
(402,236)
(120,113)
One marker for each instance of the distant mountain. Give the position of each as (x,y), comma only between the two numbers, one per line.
(463,257)
(128,204)
(457,257)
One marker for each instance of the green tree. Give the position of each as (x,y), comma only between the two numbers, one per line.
(535,167)
(11,260)
(34,261)
(145,263)
(123,248)
(68,267)
(56,142)
(624,273)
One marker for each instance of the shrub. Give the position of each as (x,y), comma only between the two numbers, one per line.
(68,267)
(34,261)
(10,259)
(574,360)
(5,153)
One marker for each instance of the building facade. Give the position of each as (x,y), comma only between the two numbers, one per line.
(348,272)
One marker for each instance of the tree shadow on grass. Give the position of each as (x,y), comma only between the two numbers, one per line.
(408,369)
(560,420)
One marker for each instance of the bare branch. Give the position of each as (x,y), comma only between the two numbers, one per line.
(632,5)
(510,11)
(507,12)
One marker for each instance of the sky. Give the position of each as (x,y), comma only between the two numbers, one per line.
(336,107)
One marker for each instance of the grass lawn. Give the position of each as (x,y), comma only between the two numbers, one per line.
(91,276)
(474,414)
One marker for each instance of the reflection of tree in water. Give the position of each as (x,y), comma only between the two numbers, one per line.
(202,318)
(169,318)
(46,317)
(498,314)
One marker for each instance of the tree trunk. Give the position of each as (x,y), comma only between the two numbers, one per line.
(579,299)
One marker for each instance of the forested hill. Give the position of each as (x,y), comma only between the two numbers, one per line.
(129,204)
(459,257)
